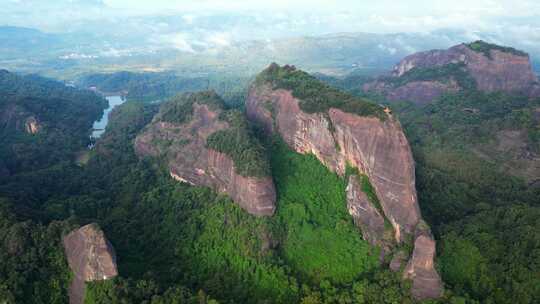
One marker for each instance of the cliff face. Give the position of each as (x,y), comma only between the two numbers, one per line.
(377,147)
(492,68)
(91,258)
(420,269)
(184,146)
(419,92)
(367,216)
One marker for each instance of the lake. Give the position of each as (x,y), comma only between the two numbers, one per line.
(100,125)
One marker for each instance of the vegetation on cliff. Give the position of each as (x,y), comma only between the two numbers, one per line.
(314,95)
(180,108)
(444,74)
(239,143)
(486,48)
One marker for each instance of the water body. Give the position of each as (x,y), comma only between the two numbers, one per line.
(100,125)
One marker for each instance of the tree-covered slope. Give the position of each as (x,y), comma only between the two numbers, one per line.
(42,121)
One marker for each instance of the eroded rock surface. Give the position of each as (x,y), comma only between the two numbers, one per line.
(366,215)
(418,92)
(377,148)
(190,161)
(91,258)
(497,70)
(426,282)
(31,125)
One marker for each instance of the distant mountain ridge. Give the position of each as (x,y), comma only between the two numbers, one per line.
(424,76)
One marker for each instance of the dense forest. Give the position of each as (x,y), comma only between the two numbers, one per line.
(161,85)
(481,210)
(177,243)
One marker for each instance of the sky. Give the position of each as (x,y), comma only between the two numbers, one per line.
(360,15)
(223,20)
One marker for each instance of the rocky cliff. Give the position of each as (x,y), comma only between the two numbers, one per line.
(206,148)
(420,269)
(341,135)
(91,258)
(424,76)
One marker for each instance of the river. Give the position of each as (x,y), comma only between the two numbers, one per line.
(99,125)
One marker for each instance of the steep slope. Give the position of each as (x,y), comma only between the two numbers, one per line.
(204,144)
(42,121)
(424,76)
(343,131)
(91,258)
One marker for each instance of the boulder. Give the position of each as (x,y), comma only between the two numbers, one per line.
(91,258)
(426,282)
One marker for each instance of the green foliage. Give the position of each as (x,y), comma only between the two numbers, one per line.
(33,268)
(119,291)
(493,256)
(63,114)
(239,142)
(150,86)
(314,95)
(319,238)
(486,48)
(444,74)
(180,108)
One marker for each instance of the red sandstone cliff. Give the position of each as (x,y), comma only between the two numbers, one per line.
(190,161)
(91,258)
(378,148)
(494,69)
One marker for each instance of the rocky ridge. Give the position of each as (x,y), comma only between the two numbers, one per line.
(479,65)
(184,144)
(376,146)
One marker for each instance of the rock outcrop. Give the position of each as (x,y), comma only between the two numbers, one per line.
(184,145)
(420,269)
(492,68)
(91,258)
(375,146)
(367,216)
(31,125)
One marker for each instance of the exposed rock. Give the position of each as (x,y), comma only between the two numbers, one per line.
(500,69)
(426,282)
(366,216)
(91,258)
(190,161)
(377,148)
(31,125)
(398,260)
(418,92)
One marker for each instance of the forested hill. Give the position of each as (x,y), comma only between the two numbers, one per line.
(42,121)
(151,86)
(477,175)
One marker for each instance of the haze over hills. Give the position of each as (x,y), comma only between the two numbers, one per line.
(311,152)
